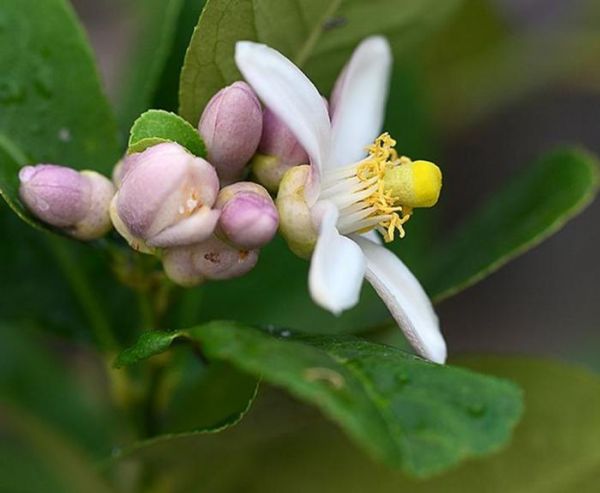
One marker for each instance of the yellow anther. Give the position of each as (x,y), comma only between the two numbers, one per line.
(401,185)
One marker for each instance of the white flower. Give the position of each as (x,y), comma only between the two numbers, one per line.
(331,207)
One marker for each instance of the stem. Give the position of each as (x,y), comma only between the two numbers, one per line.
(82,289)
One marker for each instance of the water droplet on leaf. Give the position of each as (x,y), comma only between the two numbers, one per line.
(476,409)
(11,91)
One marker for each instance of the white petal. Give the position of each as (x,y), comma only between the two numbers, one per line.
(373,236)
(289,94)
(358,100)
(337,267)
(406,300)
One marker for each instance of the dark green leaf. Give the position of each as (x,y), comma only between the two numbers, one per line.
(157,27)
(207,397)
(537,203)
(11,160)
(167,94)
(407,412)
(32,378)
(282,447)
(156,126)
(34,458)
(317,35)
(51,102)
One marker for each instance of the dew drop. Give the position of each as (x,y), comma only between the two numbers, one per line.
(64,135)
(401,378)
(476,409)
(43,83)
(11,91)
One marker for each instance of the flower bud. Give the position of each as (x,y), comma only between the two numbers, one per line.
(76,202)
(249,218)
(296,222)
(231,126)
(278,151)
(210,260)
(166,199)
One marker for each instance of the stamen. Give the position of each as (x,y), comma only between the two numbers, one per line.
(359,192)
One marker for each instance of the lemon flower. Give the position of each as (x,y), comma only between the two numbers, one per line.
(356,183)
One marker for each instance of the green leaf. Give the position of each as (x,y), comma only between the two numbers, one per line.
(407,412)
(51,102)
(554,450)
(11,160)
(156,126)
(157,26)
(167,94)
(537,203)
(317,35)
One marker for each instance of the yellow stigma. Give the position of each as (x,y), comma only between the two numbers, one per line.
(401,185)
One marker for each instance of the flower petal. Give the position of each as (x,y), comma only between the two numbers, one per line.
(358,100)
(405,298)
(337,267)
(194,229)
(289,94)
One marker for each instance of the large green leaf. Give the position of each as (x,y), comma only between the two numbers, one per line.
(537,203)
(51,103)
(317,35)
(555,448)
(407,412)
(157,22)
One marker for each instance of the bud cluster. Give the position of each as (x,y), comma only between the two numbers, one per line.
(197,215)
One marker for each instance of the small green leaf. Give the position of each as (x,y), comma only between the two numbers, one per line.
(409,413)
(157,27)
(156,126)
(321,42)
(537,203)
(150,344)
(51,101)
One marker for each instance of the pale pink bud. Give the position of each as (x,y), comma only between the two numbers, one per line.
(76,202)
(209,260)
(166,199)
(231,126)
(249,218)
(278,151)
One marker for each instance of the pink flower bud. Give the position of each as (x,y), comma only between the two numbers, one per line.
(278,151)
(209,260)
(231,126)
(166,199)
(76,202)
(249,218)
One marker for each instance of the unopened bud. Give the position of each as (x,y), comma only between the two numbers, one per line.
(76,202)
(166,199)
(231,126)
(278,151)
(209,260)
(249,218)
(296,223)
